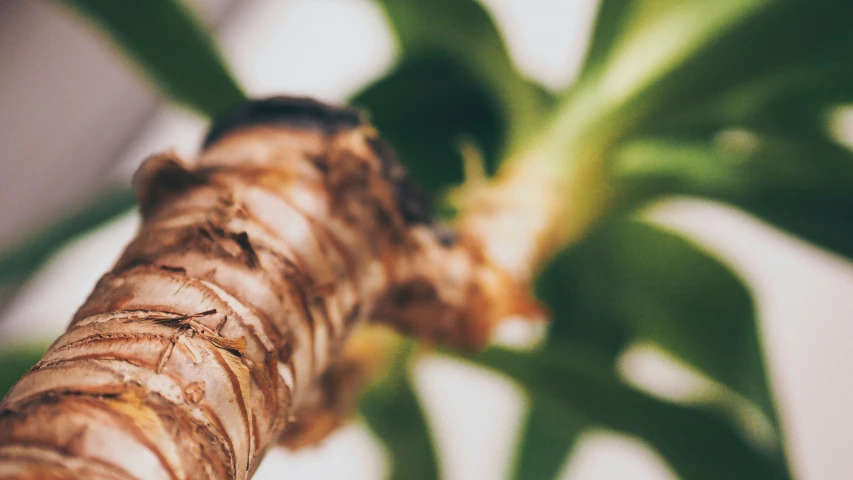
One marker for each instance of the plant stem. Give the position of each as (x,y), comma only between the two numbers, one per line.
(220,327)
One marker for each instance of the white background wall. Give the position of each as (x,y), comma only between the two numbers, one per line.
(73,116)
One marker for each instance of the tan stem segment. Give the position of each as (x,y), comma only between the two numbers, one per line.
(212,333)
(531,210)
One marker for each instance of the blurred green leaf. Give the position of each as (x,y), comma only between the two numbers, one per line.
(424,108)
(21,260)
(630,280)
(788,49)
(802,184)
(726,59)
(171,47)
(610,23)
(576,288)
(545,445)
(465,32)
(15,360)
(643,44)
(697,444)
(656,39)
(393,412)
(678,297)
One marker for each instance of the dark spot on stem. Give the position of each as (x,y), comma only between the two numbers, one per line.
(242,240)
(446,236)
(295,112)
(204,233)
(169,268)
(353,314)
(413,202)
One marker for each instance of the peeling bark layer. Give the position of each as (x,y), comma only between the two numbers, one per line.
(217,328)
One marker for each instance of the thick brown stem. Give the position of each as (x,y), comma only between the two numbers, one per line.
(211,335)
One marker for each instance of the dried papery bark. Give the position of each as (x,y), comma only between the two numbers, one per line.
(219,330)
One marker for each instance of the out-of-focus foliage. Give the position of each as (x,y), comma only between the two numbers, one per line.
(174,51)
(545,444)
(24,258)
(800,183)
(724,99)
(668,292)
(425,107)
(171,48)
(696,442)
(454,82)
(15,361)
(393,412)
(464,32)
(632,281)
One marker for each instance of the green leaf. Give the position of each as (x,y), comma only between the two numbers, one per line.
(697,444)
(726,59)
(801,184)
(786,48)
(631,280)
(463,31)
(393,412)
(678,297)
(660,37)
(424,108)
(14,363)
(610,22)
(545,445)
(576,288)
(171,47)
(21,260)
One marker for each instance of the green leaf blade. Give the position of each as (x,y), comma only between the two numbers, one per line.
(782,48)
(545,445)
(698,445)
(424,108)
(171,47)
(15,361)
(632,281)
(464,31)
(19,261)
(393,412)
(801,184)
(610,22)
(692,306)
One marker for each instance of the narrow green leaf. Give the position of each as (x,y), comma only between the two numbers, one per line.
(545,445)
(21,260)
(659,39)
(725,59)
(799,184)
(171,47)
(610,22)
(786,48)
(697,444)
(424,108)
(465,32)
(15,360)
(393,412)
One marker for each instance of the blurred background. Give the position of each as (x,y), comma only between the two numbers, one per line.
(75,117)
